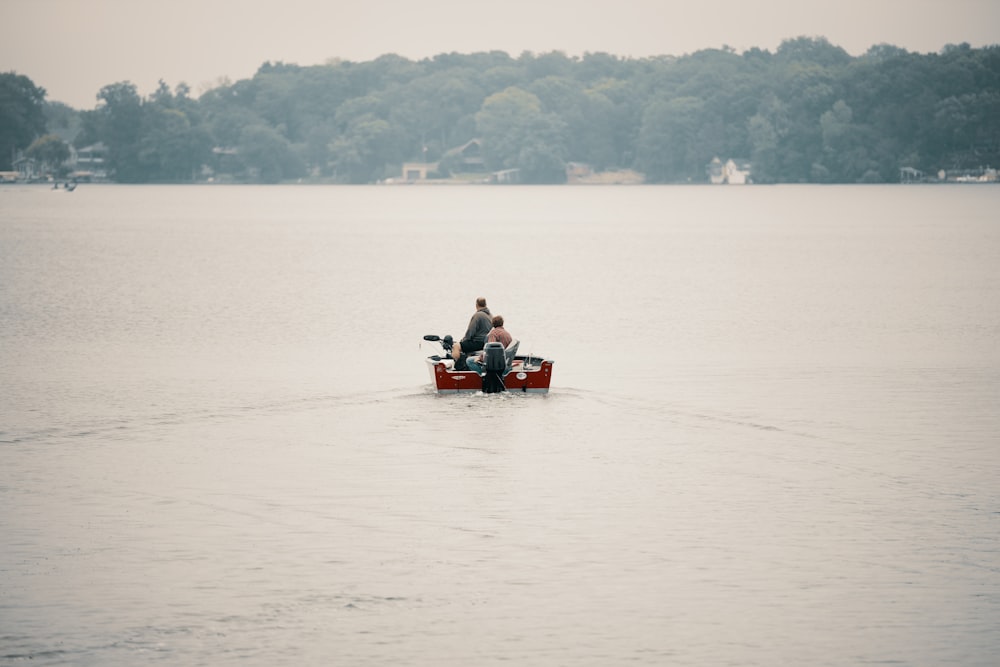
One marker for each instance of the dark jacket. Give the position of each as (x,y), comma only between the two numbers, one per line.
(479,326)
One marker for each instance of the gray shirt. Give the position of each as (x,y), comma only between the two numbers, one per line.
(479,325)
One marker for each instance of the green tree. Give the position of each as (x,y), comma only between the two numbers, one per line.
(816,50)
(22,115)
(267,156)
(435,112)
(620,124)
(566,99)
(367,150)
(62,120)
(319,91)
(596,144)
(518,134)
(171,149)
(668,146)
(118,123)
(51,152)
(226,116)
(277,101)
(764,149)
(807,112)
(172,145)
(553,63)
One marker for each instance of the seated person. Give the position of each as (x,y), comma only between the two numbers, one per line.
(497,334)
(475,336)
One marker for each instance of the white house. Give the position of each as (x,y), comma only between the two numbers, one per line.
(731,172)
(737,173)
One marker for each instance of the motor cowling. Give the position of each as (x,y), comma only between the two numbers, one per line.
(494,365)
(494,359)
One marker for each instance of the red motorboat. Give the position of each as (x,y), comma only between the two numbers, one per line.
(503,370)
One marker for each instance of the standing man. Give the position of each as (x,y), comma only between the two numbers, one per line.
(475,336)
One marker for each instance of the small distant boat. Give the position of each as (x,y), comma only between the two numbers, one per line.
(504,370)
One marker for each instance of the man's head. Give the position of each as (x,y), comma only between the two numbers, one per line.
(481,302)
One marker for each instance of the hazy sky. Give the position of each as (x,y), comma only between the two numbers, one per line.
(74,47)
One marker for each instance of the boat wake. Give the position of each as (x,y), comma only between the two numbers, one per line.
(638,405)
(123,427)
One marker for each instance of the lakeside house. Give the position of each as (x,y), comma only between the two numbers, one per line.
(418,171)
(578,172)
(84,164)
(730,172)
(88,163)
(467,158)
(506,176)
(26,168)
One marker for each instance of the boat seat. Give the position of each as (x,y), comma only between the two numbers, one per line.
(510,352)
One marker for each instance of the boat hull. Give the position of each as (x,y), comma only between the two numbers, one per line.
(532,377)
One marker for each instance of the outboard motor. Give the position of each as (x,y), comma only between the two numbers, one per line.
(495,365)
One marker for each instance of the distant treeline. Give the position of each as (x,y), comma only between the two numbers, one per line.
(809,112)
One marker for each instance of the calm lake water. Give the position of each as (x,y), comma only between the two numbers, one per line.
(773,436)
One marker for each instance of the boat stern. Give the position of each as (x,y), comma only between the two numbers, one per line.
(528,375)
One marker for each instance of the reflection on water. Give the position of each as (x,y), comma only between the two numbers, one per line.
(770,440)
